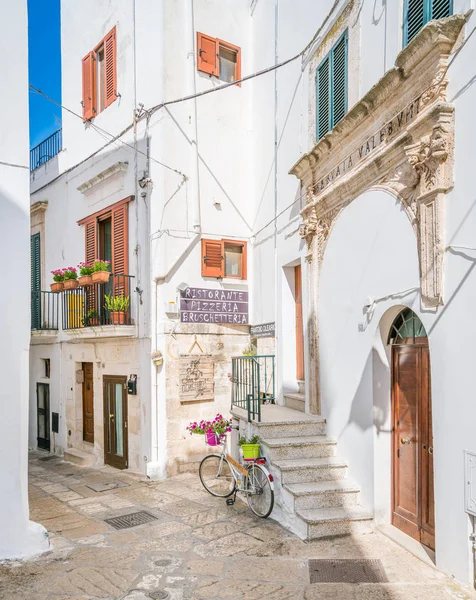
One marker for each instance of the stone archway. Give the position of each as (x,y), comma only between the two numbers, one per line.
(401,138)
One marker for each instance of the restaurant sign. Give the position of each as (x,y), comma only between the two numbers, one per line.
(200,305)
(263,331)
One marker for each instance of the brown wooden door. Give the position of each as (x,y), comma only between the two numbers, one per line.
(299,324)
(115,421)
(413,500)
(88,403)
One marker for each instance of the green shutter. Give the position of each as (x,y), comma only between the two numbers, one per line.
(414,18)
(441,9)
(35,281)
(339,80)
(419,12)
(323,94)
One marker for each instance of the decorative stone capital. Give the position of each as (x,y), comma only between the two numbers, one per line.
(309,227)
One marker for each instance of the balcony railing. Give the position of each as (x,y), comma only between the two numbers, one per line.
(44,311)
(252,384)
(46,150)
(87,306)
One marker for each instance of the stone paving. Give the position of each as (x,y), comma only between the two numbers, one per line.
(197,549)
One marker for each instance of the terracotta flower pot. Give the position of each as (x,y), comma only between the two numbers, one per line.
(57,286)
(70,284)
(100,276)
(118,318)
(85,280)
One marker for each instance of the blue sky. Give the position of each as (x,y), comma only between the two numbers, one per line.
(44,62)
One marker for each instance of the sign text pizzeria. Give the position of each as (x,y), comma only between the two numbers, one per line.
(200,305)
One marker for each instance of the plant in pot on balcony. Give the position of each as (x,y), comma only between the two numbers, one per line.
(91,318)
(70,278)
(58,279)
(101,272)
(117,306)
(85,274)
(249,446)
(214,431)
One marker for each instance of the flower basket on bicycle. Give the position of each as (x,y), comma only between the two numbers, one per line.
(214,439)
(250,451)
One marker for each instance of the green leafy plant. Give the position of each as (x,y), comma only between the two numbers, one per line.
(116,303)
(250,350)
(101,265)
(70,273)
(89,317)
(85,269)
(254,439)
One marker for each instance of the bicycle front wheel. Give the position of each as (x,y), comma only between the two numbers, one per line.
(216,476)
(259,494)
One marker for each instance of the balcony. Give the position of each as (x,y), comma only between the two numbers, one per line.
(44,312)
(85,310)
(46,150)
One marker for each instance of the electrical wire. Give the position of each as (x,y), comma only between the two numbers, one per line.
(7,164)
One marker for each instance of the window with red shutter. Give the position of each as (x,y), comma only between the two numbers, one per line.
(224,258)
(110,74)
(212,258)
(219,58)
(207,51)
(88,86)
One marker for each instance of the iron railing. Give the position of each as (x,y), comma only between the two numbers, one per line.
(46,150)
(86,306)
(253,383)
(44,310)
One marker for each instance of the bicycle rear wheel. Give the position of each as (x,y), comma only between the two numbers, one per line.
(260,496)
(216,476)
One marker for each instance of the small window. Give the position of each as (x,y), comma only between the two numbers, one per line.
(47,367)
(406,329)
(224,258)
(99,77)
(417,13)
(218,58)
(331,88)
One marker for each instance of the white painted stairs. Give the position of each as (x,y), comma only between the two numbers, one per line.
(311,484)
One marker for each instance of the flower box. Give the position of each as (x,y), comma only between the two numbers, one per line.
(85,280)
(70,284)
(57,287)
(118,317)
(213,439)
(100,276)
(250,451)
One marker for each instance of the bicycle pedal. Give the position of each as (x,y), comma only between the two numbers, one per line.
(230,501)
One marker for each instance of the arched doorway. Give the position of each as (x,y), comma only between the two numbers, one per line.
(412,448)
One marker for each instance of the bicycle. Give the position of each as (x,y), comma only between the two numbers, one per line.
(222,476)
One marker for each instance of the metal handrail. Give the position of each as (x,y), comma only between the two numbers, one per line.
(253,383)
(46,150)
(44,311)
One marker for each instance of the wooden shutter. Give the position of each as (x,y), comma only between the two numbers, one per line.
(414,18)
(207,54)
(89,91)
(110,70)
(91,234)
(120,249)
(35,281)
(212,258)
(441,9)
(339,80)
(323,99)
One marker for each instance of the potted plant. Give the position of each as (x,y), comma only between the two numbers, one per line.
(85,274)
(58,279)
(70,278)
(100,272)
(117,306)
(91,318)
(250,447)
(214,431)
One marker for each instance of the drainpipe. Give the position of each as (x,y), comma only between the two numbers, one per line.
(472,537)
(276,266)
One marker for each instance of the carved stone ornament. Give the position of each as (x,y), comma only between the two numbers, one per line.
(410,152)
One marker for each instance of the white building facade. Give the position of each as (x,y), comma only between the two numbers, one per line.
(330,196)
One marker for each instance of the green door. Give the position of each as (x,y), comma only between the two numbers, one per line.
(35,281)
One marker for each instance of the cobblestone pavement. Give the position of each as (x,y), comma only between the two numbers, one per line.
(197,548)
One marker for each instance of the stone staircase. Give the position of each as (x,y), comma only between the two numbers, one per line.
(311,486)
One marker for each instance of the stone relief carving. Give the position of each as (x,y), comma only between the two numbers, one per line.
(426,156)
(309,227)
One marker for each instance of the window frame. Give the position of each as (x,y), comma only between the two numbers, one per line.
(427,17)
(330,58)
(219,43)
(222,273)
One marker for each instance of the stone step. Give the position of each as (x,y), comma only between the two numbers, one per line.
(301,470)
(331,522)
(323,494)
(78,457)
(311,446)
(296,401)
(291,428)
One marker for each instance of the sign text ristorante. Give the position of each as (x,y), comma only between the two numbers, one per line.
(388,131)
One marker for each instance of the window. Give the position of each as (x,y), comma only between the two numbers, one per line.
(331,88)
(99,77)
(406,328)
(224,258)
(218,58)
(417,13)
(106,236)
(47,365)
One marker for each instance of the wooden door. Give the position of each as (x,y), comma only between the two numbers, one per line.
(413,499)
(88,403)
(43,415)
(299,324)
(115,421)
